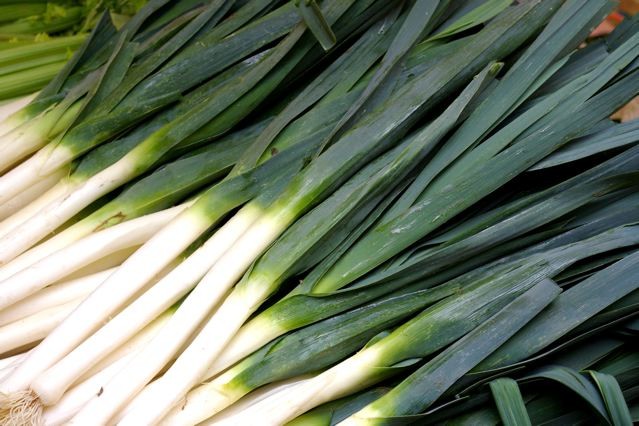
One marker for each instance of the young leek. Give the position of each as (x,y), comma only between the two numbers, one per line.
(457,359)
(257,80)
(338,160)
(433,329)
(304,305)
(271,269)
(159,190)
(562,37)
(208,209)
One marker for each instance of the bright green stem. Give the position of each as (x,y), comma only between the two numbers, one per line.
(35,50)
(29,81)
(6,45)
(11,12)
(44,24)
(34,63)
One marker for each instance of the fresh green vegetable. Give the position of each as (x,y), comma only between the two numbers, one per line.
(318,212)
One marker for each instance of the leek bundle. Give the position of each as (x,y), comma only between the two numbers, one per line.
(322,212)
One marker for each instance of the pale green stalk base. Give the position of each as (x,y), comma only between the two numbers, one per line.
(25,140)
(9,112)
(249,338)
(56,213)
(340,380)
(28,137)
(82,253)
(14,147)
(34,327)
(66,119)
(28,196)
(30,210)
(200,404)
(365,417)
(52,296)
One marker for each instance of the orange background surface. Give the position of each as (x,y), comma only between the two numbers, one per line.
(630,7)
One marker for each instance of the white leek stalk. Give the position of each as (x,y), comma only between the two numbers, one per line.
(54,295)
(31,209)
(65,238)
(82,253)
(34,327)
(284,406)
(213,287)
(108,298)
(76,397)
(55,380)
(89,384)
(29,195)
(73,199)
(266,393)
(8,364)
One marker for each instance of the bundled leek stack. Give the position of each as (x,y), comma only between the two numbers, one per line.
(37,37)
(262,211)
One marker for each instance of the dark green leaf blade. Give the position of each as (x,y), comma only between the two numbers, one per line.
(509,401)
(613,397)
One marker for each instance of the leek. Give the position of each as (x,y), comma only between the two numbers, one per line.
(328,282)
(453,362)
(267,228)
(145,154)
(232,192)
(255,211)
(263,278)
(305,304)
(434,328)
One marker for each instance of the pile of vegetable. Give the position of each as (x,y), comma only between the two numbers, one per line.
(356,212)
(37,37)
